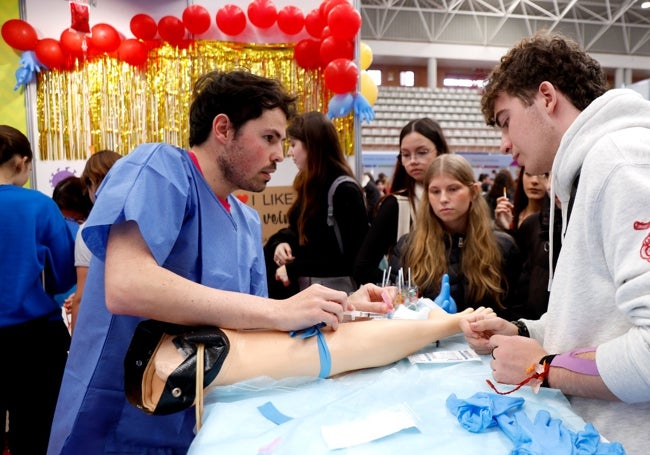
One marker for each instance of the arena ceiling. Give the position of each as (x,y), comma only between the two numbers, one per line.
(616,27)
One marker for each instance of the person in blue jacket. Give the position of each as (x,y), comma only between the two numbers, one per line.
(36,262)
(170,242)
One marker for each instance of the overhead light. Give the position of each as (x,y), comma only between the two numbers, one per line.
(645,5)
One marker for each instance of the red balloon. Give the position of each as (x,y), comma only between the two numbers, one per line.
(326,32)
(231,19)
(344,21)
(19,35)
(327,6)
(341,76)
(153,44)
(262,13)
(133,51)
(49,53)
(171,29)
(143,26)
(291,20)
(104,37)
(314,23)
(73,42)
(332,48)
(306,53)
(196,19)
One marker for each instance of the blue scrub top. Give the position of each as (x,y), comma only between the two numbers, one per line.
(188,232)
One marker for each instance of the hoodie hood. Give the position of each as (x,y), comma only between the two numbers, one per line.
(625,108)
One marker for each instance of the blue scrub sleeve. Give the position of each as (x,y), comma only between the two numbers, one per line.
(148,188)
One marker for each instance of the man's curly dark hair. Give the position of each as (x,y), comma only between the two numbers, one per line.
(543,57)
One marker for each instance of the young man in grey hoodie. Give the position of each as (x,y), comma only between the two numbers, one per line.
(551,102)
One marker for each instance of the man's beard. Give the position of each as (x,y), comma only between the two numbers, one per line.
(228,162)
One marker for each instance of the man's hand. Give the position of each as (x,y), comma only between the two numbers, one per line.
(480,327)
(373,298)
(311,306)
(512,356)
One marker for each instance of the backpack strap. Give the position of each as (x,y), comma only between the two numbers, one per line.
(405,215)
(331,219)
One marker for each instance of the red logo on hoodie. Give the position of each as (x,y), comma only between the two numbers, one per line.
(645,246)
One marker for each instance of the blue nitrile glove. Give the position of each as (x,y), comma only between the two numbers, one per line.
(444,300)
(546,435)
(479,411)
(362,109)
(588,441)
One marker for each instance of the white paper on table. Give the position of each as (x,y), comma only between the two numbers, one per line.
(461,355)
(374,426)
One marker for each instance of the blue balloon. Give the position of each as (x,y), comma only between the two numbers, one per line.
(340,105)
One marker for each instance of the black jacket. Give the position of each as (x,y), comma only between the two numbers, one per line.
(533,240)
(321,256)
(511,265)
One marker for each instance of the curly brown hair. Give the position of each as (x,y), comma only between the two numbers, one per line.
(541,57)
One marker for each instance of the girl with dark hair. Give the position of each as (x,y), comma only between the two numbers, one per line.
(36,262)
(310,249)
(420,142)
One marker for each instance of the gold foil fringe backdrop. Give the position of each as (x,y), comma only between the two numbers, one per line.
(109,104)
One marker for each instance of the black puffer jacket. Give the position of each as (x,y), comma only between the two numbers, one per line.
(511,266)
(533,240)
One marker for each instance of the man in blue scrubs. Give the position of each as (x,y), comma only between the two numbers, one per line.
(170,242)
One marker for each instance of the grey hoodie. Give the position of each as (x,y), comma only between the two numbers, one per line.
(600,294)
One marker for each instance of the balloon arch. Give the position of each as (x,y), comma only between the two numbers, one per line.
(329,49)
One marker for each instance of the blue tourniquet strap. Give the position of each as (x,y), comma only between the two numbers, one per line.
(323,351)
(269,411)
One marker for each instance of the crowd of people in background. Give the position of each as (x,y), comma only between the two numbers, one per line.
(141,233)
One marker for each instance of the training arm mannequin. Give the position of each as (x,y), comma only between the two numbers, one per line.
(275,354)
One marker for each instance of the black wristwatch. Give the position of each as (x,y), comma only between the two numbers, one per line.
(522,330)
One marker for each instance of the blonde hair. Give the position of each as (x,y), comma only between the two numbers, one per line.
(481,258)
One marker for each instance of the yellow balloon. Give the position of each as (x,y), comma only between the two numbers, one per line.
(366,56)
(368,88)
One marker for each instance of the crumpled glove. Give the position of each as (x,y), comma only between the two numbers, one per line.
(546,435)
(478,412)
(444,300)
(362,109)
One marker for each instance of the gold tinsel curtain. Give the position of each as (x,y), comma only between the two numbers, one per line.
(109,104)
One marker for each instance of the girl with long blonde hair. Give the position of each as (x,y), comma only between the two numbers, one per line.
(454,236)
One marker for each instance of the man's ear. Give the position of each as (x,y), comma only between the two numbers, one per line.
(549,94)
(221,127)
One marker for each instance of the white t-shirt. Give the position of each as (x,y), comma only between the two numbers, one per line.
(82,254)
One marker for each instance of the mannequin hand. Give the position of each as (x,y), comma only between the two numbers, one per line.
(478,328)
